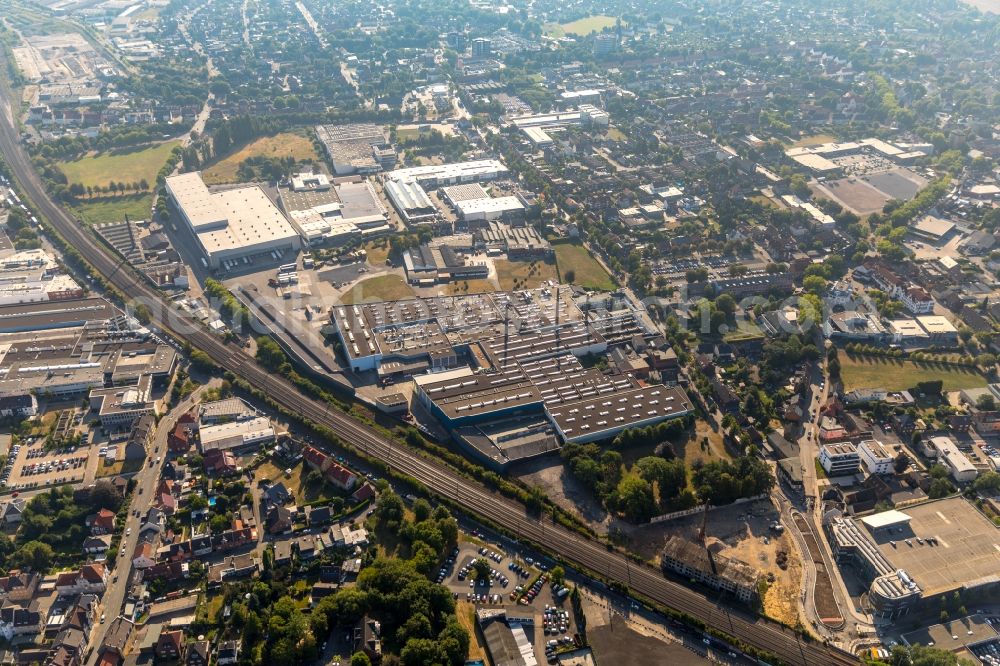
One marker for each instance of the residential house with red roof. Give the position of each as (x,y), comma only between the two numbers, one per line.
(220,463)
(336,474)
(170,645)
(89,579)
(144,556)
(102,522)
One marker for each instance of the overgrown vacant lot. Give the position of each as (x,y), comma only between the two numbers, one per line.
(286,144)
(129,166)
(575,261)
(381,288)
(523,274)
(899,375)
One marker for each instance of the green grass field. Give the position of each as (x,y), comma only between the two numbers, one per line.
(381,288)
(899,375)
(286,144)
(466,287)
(129,167)
(587,272)
(581,27)
(136,206)
(515,274)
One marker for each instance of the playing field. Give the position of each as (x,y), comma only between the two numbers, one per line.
(581,27)
(285,144)
(381,288)
(815,140)
(898,375)
(119,166)
(136,206)
(575,261)
(521,275)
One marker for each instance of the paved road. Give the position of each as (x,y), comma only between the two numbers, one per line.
(145,485)
(477,500)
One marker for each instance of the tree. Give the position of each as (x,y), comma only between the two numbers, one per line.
(726,303)
(421,510)
(901,462)
(104,495)
(269,354)
(988,483)
(799,186)
(421,652)
(986,403)
(202,361)
(670,476)
(482,568)
(814,284)
(454,641)
(940,488)
(390,511)
(34,554)
(558,575)
(360,659)
(635,498)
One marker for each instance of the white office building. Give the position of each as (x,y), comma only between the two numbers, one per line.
(875,456)
(839,459)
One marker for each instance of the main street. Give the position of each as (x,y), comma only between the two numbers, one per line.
(645,580)
(142,498)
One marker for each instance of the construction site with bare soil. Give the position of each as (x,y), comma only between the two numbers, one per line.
(751,533)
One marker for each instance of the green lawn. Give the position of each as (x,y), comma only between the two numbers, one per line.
(119,166)
(899,375)
(586,271)
(381,288)
(136,206)
(581,27)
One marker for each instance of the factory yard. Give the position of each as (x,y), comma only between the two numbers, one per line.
(899,375)
(286,144)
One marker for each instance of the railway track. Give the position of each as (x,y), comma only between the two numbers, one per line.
(576,550)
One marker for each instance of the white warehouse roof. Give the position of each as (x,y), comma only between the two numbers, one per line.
(488,205)
(242,218)
(885,519)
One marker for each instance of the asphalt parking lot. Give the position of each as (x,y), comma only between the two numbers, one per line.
(513,583)
(31,466)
